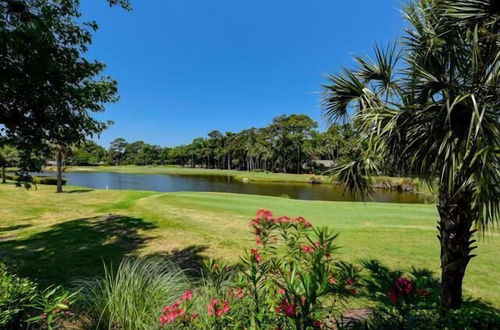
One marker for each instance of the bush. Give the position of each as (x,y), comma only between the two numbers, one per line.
(52,307)
(16,294)
(289,280)
(49,180)
(411,301)
(132,296)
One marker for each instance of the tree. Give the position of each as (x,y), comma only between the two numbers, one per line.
(48,89)
(117,149)
(432,108)
(88,153)
(8,156)
(300,128)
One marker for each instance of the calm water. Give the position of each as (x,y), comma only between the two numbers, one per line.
(173,183)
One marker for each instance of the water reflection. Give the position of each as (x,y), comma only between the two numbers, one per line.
(173,183)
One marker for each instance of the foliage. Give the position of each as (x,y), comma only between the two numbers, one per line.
(132,296)
(430,109)
(411,301)
(52,306)
(289,144)
(49,90)
(38,179)
(87,153)
(16,294)
(290,279)
(8,156)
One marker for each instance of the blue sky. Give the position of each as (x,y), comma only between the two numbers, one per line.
(186,67)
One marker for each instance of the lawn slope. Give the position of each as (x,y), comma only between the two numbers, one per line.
(56,238)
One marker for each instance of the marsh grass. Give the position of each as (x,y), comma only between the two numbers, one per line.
(132,296)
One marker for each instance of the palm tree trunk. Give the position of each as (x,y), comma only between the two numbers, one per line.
(455,237)
(59,156)
(4,180)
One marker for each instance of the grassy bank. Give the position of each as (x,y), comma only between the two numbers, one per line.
(56,238)
(176,170)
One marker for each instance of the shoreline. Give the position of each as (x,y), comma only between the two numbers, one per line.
(382,182)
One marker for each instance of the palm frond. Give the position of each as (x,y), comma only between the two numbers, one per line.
(473,10)
(380,70)
(340,93)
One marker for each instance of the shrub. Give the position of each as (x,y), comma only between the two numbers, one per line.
(411,301)
(52,307)
(131,297)
(290,279)
(16,293)
(49,180)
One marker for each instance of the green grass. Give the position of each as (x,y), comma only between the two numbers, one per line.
(55,238)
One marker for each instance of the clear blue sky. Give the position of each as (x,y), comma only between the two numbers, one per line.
(185,67)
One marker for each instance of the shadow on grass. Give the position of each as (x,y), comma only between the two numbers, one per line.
(12,228)
(189,259)
(78,191)
(75,248)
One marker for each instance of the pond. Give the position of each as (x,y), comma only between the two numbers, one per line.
(174,183)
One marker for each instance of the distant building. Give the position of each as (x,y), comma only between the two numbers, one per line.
(324,162)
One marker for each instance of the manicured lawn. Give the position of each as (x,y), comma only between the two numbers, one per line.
(56,238)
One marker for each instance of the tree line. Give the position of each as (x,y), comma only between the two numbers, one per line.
(289,144)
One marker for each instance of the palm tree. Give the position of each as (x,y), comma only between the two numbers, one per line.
(433,108)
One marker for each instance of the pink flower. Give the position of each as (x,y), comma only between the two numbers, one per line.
(264,214)
(239,293)
(332,280)
(282,220)
(303,221)
(351,281)
(307,249)
(225,309)
(254,222)
(318,324)
(286,308)
(404,285)
(393,295)
(187,295)
(212,306)
(171,313)
(281,291)
(215,308)
(256,255)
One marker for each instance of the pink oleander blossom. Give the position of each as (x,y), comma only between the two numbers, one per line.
(188,295)
(217,308)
